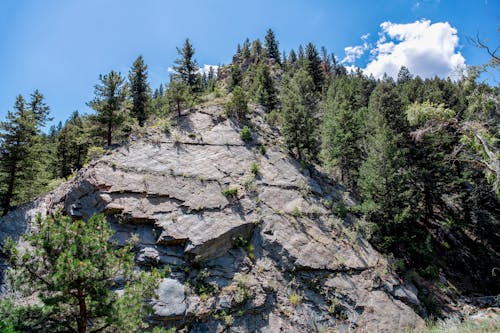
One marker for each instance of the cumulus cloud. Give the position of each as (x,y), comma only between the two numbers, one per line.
(426,49)
(352,53)
(206,68)
(202,70)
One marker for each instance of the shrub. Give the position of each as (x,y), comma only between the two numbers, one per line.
(94,153)
(254,168)
(262,149)
(230,193)
(296,212)
(246,134)
(295,299)
(237,107)
(273,118)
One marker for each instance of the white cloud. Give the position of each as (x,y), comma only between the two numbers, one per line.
(204,69)
(426,49)
(352,53)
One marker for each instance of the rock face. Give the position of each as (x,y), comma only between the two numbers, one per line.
(248,251)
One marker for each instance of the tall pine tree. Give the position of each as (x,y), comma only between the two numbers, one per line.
(139,90)
(109,103)
(299,107)
(186,68)
(272,46)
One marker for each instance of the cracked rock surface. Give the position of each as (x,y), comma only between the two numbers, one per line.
(248,251)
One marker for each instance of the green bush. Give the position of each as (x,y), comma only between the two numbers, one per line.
(94,153)
(237,107)
(230,193)
(246,134)
(262,149)
(254,168)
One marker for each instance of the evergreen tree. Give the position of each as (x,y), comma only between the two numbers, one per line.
(342,129)
(186,67)
(264,89)
(235,76)
(382,182)
(23,172)
(245,49)
(299,105)
(109,102)
(272,47)
(72,267)
(72,145)
(313,66)
(237,107)
(257,51)
(139,90)
(178,95)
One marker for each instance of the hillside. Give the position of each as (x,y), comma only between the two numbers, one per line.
(272,257)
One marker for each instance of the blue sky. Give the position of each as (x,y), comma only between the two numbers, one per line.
(61,46)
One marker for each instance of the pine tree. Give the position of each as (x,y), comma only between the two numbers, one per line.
(23,169)
(342,129)
(299,105)
(264,90)
(186,67)
(256,51)
(109,102)
(139,90)
(383,179)
(72,145)
(237,107)
(245,50)
(178,95)
(235,76)
(272,47)
(72,267)
(313,66)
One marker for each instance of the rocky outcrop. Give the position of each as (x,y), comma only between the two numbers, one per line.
(250,248)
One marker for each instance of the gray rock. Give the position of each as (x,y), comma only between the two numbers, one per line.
(171,302)
(168,191)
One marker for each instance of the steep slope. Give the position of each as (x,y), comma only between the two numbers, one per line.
(249,237)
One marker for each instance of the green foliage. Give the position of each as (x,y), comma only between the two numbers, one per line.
(72,143)
(230,193)
(262,149)
(179,95)
(254,168)
(186,68)
(94,153)
(110,103)
(274,118)
(139,90)
(272,46)
(299,105)
(72,265)
(242,292)
(295,299)
(342,128)
(246,134)
(237,107)
(421,113)
(297,212)
(263,87)
(24,155)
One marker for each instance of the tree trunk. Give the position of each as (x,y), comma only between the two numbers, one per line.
(82,321)
(109,132)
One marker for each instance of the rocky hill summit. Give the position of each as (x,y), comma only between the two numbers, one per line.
(249,236)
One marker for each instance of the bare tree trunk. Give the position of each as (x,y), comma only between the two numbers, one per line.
(82,322)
